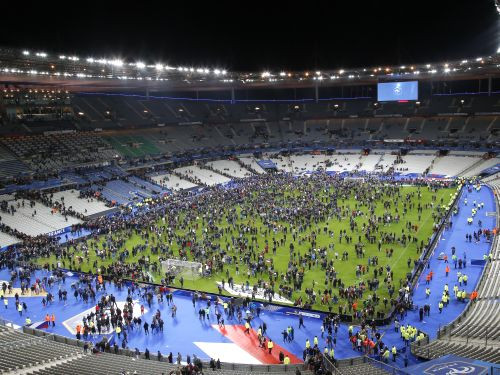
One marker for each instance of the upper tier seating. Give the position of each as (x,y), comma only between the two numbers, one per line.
(53,152)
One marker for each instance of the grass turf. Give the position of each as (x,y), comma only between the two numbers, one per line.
(345,269)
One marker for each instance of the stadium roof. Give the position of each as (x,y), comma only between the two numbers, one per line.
(24,67)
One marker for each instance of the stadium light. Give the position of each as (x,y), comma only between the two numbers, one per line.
(140,65)
(217,71)
(41,54)
(116,62)
(159,67)
(26,53)
(224,72)
(266,74)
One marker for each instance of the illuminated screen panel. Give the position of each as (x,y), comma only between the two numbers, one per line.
(396,91)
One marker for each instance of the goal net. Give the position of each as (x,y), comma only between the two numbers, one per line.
(358,179)
(184,268)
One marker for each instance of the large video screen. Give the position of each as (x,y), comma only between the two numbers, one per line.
(395,91)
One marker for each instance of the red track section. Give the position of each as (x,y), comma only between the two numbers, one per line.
(250,343)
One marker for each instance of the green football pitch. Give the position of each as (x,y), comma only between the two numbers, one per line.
(431,202)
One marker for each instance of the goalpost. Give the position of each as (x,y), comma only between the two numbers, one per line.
(359,179)
(184,268)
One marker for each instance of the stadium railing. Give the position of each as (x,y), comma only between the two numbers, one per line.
(330,366)
(348,362)
(384,366)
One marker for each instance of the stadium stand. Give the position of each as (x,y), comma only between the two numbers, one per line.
(230,167)
(84,206)
(33,218)
(7,240)
(369,162)
(172,182)
(415,162)
(452,165)
(203,176)
(35,352)
(343,162)
(20,350)
(307,163)
(480,166)
(10,166)
(53,152)
(97,148)
(250,163)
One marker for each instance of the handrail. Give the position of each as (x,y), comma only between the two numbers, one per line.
(384,366)
(330,366)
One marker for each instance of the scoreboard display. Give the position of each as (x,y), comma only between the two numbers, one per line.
(397,91)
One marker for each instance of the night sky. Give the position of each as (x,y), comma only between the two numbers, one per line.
(257,35)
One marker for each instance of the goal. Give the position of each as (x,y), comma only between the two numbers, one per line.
(358,179)
(184,268)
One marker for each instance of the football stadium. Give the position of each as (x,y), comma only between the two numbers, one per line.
(168,217)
